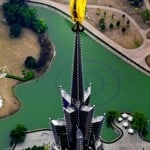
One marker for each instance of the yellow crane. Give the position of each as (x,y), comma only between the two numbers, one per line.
(77,10)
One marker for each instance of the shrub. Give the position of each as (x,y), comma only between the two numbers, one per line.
(27,76)
(36,148)
(45,53)
(137,43)
(30,62)
(39,26)
(123,30)
(123,16)
(15,30)
(118,24)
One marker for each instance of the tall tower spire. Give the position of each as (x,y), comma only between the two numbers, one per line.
(79,129)
(77,76)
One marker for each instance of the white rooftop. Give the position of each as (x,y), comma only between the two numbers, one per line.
(97,119)
(69,109)
(130,131)
(125,124)
(87,93)
(130,118)
(86,108)
(58,122)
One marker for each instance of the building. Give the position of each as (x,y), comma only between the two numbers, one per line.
(79,129)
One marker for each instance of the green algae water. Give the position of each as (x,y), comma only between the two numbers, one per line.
(115,84)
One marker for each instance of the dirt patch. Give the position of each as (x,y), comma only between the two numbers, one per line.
(124,6)
(130,39)
(12,54)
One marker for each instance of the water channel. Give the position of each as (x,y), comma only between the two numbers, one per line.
(115,84)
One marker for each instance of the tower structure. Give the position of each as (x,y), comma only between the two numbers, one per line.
(79,129)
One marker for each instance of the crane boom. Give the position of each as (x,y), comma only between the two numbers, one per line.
(77,10)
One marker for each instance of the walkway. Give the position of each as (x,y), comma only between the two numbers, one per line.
(128,142)
(39,138)
(137,55)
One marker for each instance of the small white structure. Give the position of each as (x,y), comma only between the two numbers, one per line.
(120,119)
(130,118)
(125,124)
(1,102)
(124,115)
(130,131)
(2,75)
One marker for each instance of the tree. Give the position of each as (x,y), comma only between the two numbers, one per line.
(18,134)
(102,24)
(123,16)
(128,22)
(118,24)
(10,12)
(15,30)
(26,16)
(111,115)
(111,26)
(139,121)
(30,62)
(104,13)
(123,30)
(146,16)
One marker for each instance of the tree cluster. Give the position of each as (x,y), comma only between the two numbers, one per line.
(136,3)
(18,134)
(19,13)
(45,54)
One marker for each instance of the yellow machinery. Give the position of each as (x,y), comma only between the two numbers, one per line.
(77,10)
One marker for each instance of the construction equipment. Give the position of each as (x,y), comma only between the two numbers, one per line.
(77,10)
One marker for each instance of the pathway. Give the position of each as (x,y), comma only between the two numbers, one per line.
(137,55)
